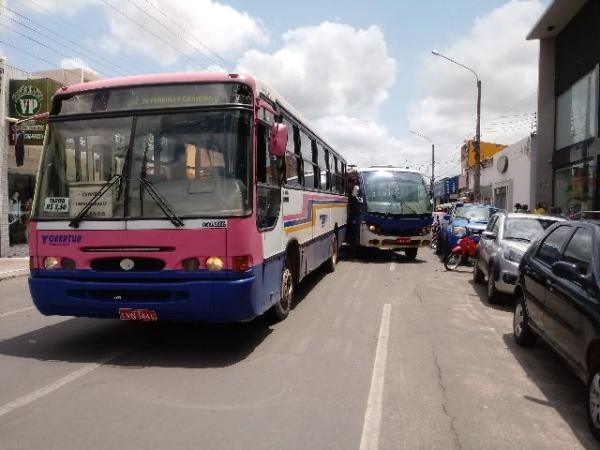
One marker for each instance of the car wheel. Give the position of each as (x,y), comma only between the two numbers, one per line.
(333,259)
(411,253)
(492,292)
(478,276)
(594,401)
(524,334)
(282,308)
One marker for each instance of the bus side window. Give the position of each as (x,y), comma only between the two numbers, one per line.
(293,161)
(306,150)
(268,183)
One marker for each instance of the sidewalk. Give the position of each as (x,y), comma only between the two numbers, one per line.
(17,265)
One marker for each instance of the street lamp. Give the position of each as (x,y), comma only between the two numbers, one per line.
(432,158)
(477,143)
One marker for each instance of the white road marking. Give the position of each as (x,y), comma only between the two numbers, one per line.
(15,311)
(372,422)
(48,389)
(392,266)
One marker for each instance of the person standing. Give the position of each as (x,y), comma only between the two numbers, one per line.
(517,207)
(539,209)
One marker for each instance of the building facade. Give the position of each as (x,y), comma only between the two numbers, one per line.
(22,95)
(565,167)
(506,178)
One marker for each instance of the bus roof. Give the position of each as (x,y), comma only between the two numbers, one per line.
(161,78)
(387,169)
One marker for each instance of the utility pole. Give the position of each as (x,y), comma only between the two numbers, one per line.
(432,160)
(477,149)
(477,142)
(432,170)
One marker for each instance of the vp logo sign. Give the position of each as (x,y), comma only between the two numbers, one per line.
(28,100)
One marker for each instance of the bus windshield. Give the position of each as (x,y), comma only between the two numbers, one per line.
(393,192)
(199,163)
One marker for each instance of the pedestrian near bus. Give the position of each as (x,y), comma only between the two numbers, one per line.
(517,207)
(539,209)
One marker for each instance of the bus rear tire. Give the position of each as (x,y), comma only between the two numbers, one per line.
(411,253)
(280,310)
(333,259)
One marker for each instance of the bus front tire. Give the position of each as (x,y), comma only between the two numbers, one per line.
(411,253)
(280,310)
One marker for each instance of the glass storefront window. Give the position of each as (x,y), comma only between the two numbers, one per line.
(20,195)
(577,111)
(574,187)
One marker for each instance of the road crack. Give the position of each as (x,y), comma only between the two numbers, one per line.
(451,418)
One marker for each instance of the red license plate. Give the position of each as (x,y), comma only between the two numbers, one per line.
(403,241)
(147,315)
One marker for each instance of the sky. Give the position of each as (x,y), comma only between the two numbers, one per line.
(361,72)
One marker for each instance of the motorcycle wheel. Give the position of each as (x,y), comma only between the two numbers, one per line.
(453,260)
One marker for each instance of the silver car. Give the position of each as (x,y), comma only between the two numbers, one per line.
(501,248)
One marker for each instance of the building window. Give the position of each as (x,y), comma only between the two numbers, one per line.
(577,111)
(574,188)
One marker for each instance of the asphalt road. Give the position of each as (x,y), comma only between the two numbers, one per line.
(383,353)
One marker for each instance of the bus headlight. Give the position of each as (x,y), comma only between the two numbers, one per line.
(214,263)
(67,264)
(190,264)
(51,263)
(374,229)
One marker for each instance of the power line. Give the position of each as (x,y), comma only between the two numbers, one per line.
(79,31)
(32,55)
(157,36)
(76,51)
(227,63)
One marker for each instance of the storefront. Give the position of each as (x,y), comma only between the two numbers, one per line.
(22,95)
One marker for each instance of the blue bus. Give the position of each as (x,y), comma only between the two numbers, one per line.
(390,209)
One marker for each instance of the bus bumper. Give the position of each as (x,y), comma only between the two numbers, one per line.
(369,239)
(226,300)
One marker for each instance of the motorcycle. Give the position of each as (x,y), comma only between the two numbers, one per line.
(463,252)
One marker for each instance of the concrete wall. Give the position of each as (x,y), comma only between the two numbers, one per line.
(517,176)
(544,148)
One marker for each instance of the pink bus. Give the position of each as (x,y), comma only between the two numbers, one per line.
(195,196)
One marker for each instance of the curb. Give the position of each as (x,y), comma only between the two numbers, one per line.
(13,274)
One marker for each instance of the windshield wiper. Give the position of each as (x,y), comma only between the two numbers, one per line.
(161,202)
(86,208)
(402,203)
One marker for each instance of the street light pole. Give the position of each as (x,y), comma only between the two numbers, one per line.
(477,142)
(432,160)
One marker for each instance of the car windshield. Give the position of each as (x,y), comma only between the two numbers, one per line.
(200,163)
(474,213)
(525,229)
(394,192)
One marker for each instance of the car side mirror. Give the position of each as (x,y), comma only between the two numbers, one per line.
(488,235)
(278,140)
(568,271)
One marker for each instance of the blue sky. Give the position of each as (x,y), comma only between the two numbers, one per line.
(361,71)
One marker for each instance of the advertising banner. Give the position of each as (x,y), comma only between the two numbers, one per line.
(29,97)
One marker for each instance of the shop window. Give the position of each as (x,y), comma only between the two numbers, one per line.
(575,188)
(577,111)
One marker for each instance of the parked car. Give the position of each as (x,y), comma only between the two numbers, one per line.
(587,216)
(558,299)
(501,248)
(467,219)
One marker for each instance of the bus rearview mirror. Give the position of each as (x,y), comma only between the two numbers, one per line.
(278,139)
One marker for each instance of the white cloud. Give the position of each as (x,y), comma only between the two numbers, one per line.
(328,68)
(191,28)
(505,62)
(76,63)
